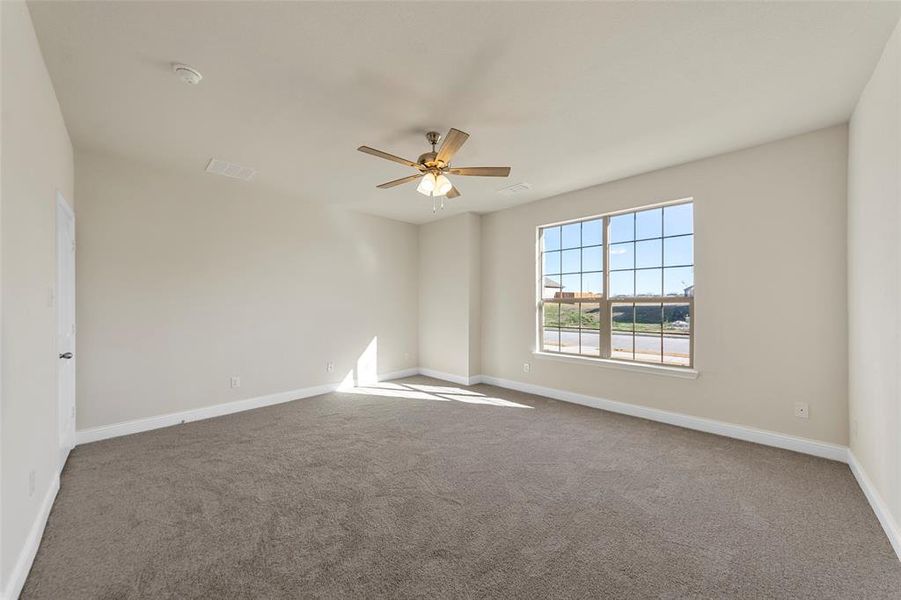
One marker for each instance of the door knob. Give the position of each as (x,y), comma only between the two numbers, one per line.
(67,355)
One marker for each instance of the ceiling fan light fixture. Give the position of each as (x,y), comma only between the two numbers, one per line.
(442,186)
(427,185)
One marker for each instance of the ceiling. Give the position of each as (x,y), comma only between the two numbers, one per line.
(568,95)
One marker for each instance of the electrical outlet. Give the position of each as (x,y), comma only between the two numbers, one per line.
(802,410)
(235,382)
(31,477)
(526,367)
(330,367)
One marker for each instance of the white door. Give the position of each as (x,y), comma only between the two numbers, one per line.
(65,307)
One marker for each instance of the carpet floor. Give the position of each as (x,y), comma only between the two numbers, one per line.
(419,488)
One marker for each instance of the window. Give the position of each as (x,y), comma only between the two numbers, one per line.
(620,286)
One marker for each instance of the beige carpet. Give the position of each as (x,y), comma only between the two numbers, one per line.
(422,489)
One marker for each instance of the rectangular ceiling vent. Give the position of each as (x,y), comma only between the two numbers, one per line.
(516,188)
(223,167)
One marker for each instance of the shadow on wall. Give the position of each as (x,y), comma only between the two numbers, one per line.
(363,379)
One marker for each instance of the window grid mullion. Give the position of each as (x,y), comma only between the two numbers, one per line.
(605,341)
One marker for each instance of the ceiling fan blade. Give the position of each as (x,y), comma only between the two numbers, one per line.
(387,156)
(400,181)
(452,142)
(481,171)
(453,193)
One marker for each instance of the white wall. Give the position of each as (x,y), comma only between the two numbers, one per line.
(187,279)
(449,295)
(37,161)
(874,278)
(771,286)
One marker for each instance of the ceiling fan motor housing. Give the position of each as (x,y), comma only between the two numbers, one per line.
(428,160)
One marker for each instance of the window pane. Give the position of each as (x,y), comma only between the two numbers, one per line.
(677,350)
(572,284)
(551,263)
(550,287)
(621,339)
(648,347)
(572,235)
(591,342)
(678,251)
(676,318)
(550,335)
(591,315)
(593,232)
(571,261)
(678,281)
(592,284)
(649,318)
(569,328)
(622,318)
(649,253)
(622,228)
(592,259)
(648,282)
(622,256)
(676,334)
(648,327)
(648,224)
(550,238)
(551,314)
(622,283)
(569,315)
(551,339)
(678,219)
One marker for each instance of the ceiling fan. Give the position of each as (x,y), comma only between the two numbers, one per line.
(433,167)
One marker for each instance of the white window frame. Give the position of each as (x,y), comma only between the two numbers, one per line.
(606,303)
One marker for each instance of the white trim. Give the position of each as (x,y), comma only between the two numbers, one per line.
(398,374)
(740,432)
(889,525)
(85,436)
(30,548)
(680,372)
(94,434)
(458,379)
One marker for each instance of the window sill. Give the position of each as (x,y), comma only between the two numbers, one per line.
(678,372)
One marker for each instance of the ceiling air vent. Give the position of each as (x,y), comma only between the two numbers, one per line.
(516,188)
(222,167)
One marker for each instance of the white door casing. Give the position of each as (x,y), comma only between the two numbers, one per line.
(65,310)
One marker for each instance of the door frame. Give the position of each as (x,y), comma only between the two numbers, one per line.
(65,423)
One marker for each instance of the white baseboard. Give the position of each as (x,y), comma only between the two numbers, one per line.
(458,379)
(30,547)
(741,432)
(398,374)
(889,525)
(103,432)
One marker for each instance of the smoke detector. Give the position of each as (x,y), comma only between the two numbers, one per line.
(187,74)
